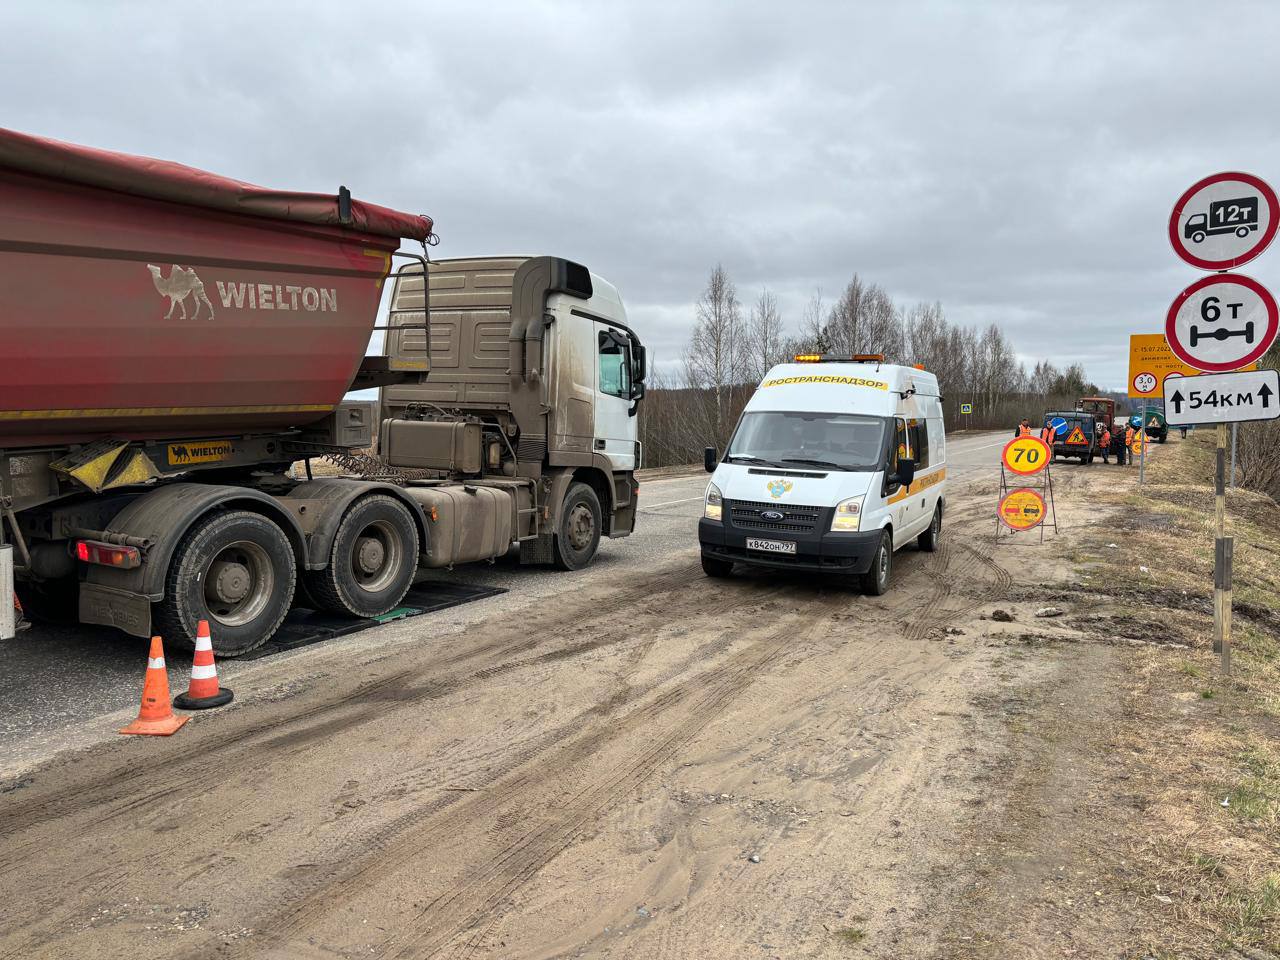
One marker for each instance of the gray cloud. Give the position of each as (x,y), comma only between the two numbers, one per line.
(1016,161)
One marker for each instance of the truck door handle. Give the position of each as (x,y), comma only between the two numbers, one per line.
(600,444)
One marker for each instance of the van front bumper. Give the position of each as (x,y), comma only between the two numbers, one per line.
(818,552)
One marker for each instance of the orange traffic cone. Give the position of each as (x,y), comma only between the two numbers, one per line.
(203,692)
(156,717)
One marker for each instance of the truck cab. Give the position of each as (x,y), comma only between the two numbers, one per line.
(835,464)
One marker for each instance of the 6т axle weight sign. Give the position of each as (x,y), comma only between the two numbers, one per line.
(1222,397)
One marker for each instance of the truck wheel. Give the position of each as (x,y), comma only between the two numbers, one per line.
(1242,232)
(579,533)
(372,562)
(875,582)
(715,568)
(236,570)
(928,541)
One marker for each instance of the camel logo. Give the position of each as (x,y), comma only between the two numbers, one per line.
(206,451)
(181,283)
(779,488)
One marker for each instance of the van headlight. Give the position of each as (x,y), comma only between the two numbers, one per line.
(848,515)
(713,503)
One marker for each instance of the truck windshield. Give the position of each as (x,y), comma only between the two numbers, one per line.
(837,441)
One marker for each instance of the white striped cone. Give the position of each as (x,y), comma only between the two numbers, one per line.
(204,690)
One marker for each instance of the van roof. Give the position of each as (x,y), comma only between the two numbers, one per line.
(870,388)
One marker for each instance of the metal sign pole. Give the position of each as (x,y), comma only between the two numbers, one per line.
(1142,457)
(1221,563)
(1234,432)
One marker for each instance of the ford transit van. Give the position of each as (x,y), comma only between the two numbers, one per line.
(834,465)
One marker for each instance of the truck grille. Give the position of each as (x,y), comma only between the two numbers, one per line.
(746,515)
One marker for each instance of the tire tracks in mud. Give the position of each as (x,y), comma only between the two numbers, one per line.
(343,846)
(175,765)
(458,916)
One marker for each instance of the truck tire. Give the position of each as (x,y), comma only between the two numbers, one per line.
(235,569)
(372,562)
(715,568)
(928,541)
(579,534)
(875,582)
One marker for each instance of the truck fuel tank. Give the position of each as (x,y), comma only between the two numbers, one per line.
(465,522)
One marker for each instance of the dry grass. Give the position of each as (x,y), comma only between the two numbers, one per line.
(1207,764)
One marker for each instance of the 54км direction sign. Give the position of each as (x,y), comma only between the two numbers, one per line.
(1222,397)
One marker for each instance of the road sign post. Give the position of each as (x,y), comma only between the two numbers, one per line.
(1222,324)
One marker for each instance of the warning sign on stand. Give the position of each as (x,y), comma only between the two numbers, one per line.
(1077,436)
(1022,509)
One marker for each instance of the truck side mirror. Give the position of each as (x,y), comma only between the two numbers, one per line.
(709,459)
(906,471)
(639,361)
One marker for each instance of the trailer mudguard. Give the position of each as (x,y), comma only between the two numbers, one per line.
(164,516)
(319,506)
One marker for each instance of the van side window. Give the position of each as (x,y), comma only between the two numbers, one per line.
(918,436)
(900,447)
(615,367)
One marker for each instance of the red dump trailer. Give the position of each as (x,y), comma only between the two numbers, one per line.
(174,341)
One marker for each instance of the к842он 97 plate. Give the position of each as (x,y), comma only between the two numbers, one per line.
(771,546)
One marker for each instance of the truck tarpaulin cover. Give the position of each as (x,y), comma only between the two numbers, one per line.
(165,180)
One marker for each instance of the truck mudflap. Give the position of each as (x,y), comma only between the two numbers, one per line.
(114,607)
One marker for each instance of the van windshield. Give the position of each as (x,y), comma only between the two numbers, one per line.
(837,441)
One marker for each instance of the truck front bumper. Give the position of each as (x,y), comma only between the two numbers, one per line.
(816,552)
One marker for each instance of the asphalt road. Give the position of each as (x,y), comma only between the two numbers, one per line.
(65,687)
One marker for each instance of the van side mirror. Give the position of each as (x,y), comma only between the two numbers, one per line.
(639,360)
(709,459)
(906,471)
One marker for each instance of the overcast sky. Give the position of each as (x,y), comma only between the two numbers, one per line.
(1017,161)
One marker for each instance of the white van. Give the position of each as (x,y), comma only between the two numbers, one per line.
(836,463)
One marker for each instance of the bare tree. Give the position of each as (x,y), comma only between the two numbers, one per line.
(765,342)
(714,360)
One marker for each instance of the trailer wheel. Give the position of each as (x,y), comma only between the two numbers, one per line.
(579,534)
(236,570)
(373,560)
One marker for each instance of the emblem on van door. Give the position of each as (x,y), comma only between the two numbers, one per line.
(779,488)
(772,515)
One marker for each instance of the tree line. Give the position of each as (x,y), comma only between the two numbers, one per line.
(731,347)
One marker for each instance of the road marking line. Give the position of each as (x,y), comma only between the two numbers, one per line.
(654,506)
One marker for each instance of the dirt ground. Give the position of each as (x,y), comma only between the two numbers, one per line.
(672,767)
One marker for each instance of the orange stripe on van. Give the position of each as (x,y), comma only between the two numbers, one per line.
(918,484)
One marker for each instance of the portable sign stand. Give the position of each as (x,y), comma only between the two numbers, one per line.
(1220,324)
(1026,457)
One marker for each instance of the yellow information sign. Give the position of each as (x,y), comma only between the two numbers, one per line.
(1026,455)
(1022,509)
(1150,361)
(198,451)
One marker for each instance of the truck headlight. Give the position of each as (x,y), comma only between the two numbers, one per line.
(713,503)
(848,514)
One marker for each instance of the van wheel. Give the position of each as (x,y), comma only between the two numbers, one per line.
(875,582)
(579,534)
(372,562)
(928,541)
(236,570)
(716,569)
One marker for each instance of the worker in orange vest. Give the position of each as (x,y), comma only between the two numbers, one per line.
(1023,429)
(1129,434)
(1046,434)
(1104,440)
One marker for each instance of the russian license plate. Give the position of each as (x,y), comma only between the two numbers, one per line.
(771,546)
